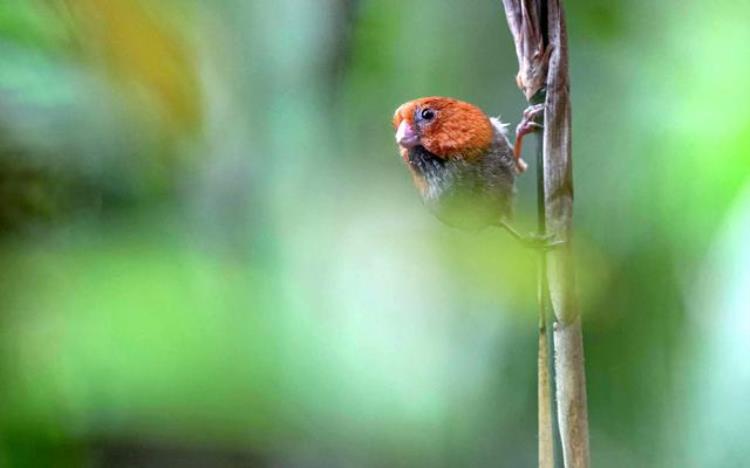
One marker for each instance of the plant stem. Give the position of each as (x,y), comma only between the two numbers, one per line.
(538,28)
(545,369)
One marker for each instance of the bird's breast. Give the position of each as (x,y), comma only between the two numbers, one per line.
(433,175)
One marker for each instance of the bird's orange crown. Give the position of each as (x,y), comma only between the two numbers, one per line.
(444,126)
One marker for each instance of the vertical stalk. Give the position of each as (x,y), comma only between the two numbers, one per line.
(538,28)
(544,399)
(545,368)
(570,374)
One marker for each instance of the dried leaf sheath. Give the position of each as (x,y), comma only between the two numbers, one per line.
(525,22)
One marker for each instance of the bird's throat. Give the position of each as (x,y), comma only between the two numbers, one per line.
(424,162)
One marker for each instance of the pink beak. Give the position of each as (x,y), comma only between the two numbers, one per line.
(406,136)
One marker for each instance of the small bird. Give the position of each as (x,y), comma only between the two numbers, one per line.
(461,161)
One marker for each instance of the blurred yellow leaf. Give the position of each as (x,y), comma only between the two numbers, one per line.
(138,45)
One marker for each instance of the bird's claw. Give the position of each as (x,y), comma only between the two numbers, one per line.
(529,124)
(542,242)
(532,112)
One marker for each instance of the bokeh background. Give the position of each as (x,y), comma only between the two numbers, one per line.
(211,255)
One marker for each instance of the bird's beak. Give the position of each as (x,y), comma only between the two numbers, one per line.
(406,136)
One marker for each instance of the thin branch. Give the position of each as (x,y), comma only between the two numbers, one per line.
(545,409)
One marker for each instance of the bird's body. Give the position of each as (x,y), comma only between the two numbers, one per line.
(461,192)
(461,161)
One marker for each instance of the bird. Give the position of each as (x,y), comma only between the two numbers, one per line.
(461,160)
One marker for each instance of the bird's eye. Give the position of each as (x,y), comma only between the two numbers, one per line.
(428,114)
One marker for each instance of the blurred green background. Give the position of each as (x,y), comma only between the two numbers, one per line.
(211,255)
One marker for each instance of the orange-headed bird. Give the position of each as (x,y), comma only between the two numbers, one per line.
(461,160)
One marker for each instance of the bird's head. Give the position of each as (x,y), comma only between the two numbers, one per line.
(445,127)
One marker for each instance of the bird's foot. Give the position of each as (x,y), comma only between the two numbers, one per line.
(530,121)
(529,124)
(533,112)
(536,241)
(542,242)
